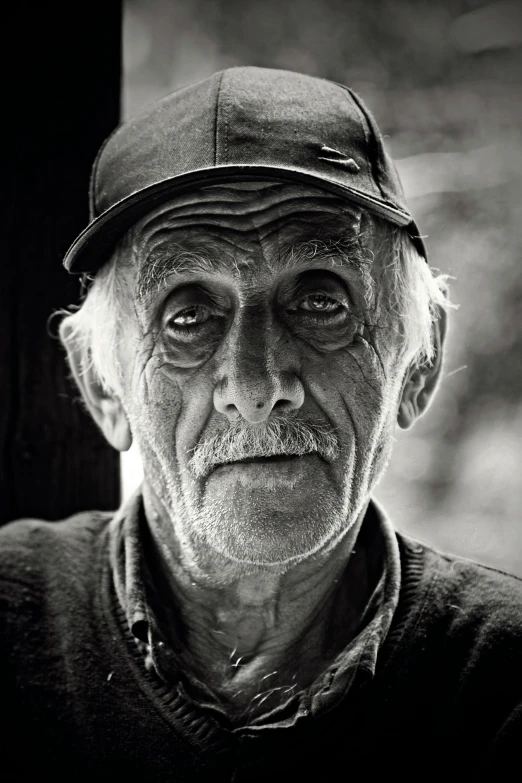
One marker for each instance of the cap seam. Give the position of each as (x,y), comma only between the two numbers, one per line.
(93,205)
(218,95)
(226,117)
(367,135)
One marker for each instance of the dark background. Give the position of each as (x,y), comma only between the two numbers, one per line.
(60,97)
(443,80)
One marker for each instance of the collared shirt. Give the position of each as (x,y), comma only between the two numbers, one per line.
(138,596)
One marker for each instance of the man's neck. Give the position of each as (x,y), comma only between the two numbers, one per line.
(257,639)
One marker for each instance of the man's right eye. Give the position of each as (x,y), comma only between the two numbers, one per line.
(189,317)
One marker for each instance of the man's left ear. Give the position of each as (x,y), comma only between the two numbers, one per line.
(421,381)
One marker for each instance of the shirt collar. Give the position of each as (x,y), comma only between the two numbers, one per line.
(127,563)
(356,662)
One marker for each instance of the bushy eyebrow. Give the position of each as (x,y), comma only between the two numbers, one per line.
(344,250)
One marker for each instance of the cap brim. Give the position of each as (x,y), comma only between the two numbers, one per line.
(92,247)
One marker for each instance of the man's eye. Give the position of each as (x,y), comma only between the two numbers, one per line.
(320,303)
(190,316)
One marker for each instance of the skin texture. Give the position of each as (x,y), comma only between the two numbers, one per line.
(245,304)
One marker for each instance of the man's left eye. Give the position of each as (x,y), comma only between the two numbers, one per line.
(320,303)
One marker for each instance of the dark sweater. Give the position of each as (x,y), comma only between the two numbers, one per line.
(78,703)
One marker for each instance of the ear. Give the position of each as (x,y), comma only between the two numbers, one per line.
(421,381)
(106,409)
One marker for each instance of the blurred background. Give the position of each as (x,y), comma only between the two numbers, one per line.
(443,80)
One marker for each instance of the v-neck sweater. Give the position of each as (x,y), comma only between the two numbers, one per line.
(443,700)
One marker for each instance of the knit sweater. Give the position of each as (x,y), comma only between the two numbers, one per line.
(444,701)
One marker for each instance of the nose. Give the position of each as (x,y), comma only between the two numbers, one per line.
(257,378)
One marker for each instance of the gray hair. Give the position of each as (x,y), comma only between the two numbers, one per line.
(416,295)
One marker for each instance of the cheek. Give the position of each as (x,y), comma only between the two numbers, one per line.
(354,389)
(154,400)
(178,357)
(171,405)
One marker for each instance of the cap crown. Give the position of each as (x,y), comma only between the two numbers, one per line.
(240,123)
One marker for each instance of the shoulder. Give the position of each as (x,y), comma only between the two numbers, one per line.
(38,535)
(35,552)
(49,583)
(454,653)
(466,610)
(477,590)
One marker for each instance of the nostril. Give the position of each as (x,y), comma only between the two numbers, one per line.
(282,405)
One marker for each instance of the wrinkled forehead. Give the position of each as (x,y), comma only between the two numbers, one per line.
(245,215)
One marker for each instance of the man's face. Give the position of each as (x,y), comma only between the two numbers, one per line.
(261,377)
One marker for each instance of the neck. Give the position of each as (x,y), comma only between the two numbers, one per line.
(256,635)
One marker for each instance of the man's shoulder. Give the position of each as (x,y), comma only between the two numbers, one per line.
(32,534)
(33,550)
(467,574)
(472,597)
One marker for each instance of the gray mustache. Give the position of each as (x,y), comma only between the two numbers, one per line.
(278,437)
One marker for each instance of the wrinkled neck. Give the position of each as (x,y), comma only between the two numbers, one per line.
(262,625)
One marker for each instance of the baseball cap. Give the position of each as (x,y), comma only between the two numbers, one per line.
(243,123)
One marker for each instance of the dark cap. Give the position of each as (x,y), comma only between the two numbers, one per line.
(239,124)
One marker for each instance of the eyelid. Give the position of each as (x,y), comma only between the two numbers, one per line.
(319,281)
(333,299)
(340,297)
(189,307)
(192,295)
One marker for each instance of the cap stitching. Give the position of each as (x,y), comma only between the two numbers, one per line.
(226,112)
(218,94)
(94,173)
(367,131)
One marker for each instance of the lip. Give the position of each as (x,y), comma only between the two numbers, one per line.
(274,470)
(275,459)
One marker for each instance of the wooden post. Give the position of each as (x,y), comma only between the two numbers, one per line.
(63,71)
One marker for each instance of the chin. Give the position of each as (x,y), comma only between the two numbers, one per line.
(270,526)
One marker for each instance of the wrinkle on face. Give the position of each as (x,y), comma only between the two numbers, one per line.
(246,246)
(205,240)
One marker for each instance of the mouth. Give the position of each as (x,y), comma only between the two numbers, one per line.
(275,458)
(279,469)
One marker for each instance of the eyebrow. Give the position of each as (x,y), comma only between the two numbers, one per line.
(344,250)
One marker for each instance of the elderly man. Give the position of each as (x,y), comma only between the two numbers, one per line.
(259,318)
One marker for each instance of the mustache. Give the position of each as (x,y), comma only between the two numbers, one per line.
(277,437)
